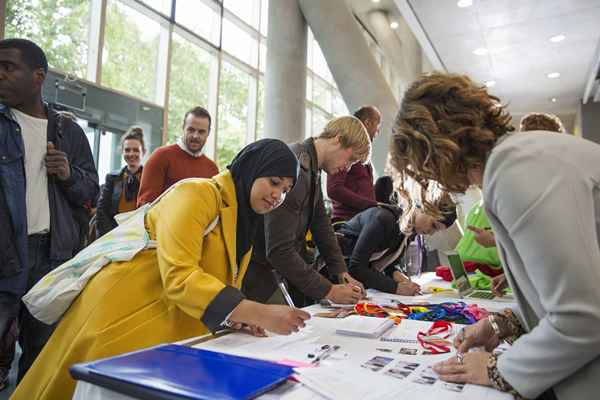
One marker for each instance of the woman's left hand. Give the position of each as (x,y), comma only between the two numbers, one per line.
(473,369)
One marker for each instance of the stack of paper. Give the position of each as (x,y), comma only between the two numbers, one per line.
(368,327)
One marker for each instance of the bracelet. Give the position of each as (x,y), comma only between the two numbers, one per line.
(494,325)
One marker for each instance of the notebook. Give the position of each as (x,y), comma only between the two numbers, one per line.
(179,372)
(367,327)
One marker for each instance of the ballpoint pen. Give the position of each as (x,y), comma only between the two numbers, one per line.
(283,288)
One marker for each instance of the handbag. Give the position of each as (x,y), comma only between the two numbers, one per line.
(48,299)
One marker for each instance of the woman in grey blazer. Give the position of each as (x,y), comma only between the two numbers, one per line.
(542,197)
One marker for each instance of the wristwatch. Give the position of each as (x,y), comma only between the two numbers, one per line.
(494,325)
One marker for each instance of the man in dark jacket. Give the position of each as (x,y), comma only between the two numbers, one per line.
(280,243)
(352,191)
(47,174)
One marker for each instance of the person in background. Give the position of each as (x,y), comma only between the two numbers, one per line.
(374,240)
(536,121)
(120,189)
(186,286)
(280,241)
(351,191)
(184,159)
(542,195)
(47,175)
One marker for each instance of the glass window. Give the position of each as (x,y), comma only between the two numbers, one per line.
(188,83)
(263,56)
(233,112)
(260,110)
(246,10)
(319,120)
(264,17)
(162,6)
(321,94)
(60,27)
(105,157)
(201,18)
(320,66)
(130,54)
(239,43)
(308,123)
(339,107)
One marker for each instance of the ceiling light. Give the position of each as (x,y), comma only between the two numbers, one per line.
(554,99)
(481,51)
(490,83)
(394,25)
(557,38)
(464,3)
(553,75)
(375,1)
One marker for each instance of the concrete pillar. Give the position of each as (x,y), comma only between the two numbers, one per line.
(590,121)
(285,77)
(354,68)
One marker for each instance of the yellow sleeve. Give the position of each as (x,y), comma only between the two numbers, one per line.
(182,217)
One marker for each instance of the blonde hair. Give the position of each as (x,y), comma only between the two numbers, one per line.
(536,121)
(352,134)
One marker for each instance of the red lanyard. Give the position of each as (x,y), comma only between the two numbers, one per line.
(434,339)
(373,310)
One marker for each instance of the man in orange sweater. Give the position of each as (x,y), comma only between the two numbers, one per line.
(184,159)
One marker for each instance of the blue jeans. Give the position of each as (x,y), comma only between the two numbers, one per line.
(33,334)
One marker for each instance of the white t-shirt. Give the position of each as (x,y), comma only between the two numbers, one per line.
(34,135)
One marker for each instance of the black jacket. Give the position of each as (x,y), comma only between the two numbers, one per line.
(66,198)
(372,230)
(280,242)
(108,203)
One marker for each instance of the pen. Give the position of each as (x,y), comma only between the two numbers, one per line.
(325,354)
(283,288)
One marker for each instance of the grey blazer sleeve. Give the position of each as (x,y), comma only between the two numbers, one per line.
(542,209)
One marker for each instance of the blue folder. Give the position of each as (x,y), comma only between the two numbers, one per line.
(178,372)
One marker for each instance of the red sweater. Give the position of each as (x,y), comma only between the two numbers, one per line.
(168,165)
(351,192)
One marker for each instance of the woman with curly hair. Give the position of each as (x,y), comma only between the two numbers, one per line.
(542,196)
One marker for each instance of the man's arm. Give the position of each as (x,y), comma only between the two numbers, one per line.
(325,238)
(81,187)
(105,221)
(338,191)
(154,178)
(281,226)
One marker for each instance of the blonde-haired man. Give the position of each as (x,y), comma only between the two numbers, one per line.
(279,245)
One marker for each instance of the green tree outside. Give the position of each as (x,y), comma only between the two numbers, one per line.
(60,27)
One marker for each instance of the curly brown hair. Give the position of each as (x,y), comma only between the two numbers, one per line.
(541,122)
(447,124)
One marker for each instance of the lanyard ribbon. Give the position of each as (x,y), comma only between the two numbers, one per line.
(435,339)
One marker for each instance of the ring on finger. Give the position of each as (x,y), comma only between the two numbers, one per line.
(460,357)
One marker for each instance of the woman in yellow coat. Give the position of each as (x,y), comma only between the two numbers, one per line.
(186,286)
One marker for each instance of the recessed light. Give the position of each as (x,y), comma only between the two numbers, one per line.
(557,38)
(491,83)
(375,1)
(464,3)
(481,51)
(554,99)
(553,75)
(394,25)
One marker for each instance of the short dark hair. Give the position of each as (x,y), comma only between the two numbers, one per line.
(199,112)
(134,133)
(32,54)
(365,112)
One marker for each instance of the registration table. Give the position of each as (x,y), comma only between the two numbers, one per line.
(391,366)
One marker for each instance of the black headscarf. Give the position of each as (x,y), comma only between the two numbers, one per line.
(263,158)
